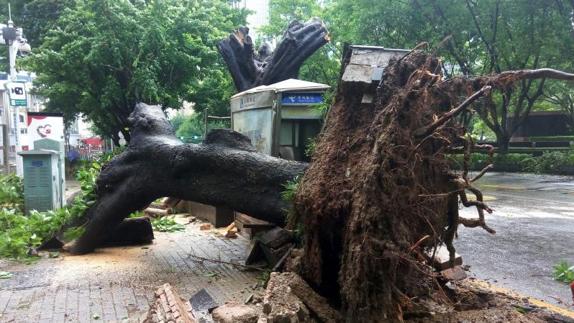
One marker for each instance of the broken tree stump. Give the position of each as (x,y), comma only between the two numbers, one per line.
(249,69)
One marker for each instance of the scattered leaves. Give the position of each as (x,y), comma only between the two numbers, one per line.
(166,224)
(5,275)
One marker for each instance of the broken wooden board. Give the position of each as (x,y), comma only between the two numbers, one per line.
(271,246)
(249,226)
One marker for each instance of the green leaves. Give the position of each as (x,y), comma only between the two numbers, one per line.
(564,272)
(166,224)
(107,55)
(5,275)
(11,189)
(21,233)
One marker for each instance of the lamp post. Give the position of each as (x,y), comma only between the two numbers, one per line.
(14,41)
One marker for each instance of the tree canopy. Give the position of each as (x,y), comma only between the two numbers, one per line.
(103,56)
(474,37)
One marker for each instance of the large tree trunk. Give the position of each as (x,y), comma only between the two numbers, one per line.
(225,170)
(249,69)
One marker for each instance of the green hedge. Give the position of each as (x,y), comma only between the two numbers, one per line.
(550,162)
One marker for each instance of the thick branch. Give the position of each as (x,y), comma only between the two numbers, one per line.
(224,171)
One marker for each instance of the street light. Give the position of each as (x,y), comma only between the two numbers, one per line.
(14,40)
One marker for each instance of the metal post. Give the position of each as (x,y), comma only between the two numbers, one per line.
(6,143)
(205,123)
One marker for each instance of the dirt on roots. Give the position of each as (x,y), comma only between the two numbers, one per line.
(380,190)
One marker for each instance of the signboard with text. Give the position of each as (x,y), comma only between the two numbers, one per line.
(17,94)
(301,98)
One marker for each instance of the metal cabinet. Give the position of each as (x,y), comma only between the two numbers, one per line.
(41,180)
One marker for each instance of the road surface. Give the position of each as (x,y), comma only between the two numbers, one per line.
(534,219)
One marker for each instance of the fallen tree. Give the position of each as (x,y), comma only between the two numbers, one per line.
(224,170)
(378,193)
(250,69)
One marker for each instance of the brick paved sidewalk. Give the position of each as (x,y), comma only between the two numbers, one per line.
(117,284)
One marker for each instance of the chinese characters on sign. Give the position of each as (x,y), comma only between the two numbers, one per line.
(302,98)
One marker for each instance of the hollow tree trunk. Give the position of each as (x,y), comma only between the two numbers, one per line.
(225,170)
(249,69)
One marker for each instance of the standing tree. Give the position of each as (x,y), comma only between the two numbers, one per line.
(104,56)
(476,37)
(493,36)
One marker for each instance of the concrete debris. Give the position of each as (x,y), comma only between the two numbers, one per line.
(201,305)
(205,226)
(454,274)
(441,260)
(236,313)
(169,307)
(288,298)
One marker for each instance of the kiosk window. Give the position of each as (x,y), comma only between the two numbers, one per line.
(289,133)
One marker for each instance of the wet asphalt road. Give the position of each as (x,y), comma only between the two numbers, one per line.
(534,219)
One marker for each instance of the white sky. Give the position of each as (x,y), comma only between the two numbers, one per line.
(260,14)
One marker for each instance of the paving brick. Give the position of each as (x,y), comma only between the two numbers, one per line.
(118,283)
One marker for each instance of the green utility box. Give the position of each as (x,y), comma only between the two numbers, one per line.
(41,180)
(58,147)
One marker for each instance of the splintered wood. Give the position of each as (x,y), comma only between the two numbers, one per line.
(169,308)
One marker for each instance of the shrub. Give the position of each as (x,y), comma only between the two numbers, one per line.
(21,233)
(11,192)
(550,162)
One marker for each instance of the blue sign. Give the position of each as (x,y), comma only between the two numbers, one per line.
(302,98)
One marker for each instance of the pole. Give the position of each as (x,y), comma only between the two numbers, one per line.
(6,141)
(205,123)
(6,113)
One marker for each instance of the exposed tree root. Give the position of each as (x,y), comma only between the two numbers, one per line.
(380,186)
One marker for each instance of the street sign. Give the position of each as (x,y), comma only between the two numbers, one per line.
(301,98)
(17,94)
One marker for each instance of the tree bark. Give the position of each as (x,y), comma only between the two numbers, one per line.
(224,171)
(249,69)
(502,143)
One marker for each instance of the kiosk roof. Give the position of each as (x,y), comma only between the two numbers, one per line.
(286,86)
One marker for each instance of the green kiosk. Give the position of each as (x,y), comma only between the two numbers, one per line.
(279,118)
